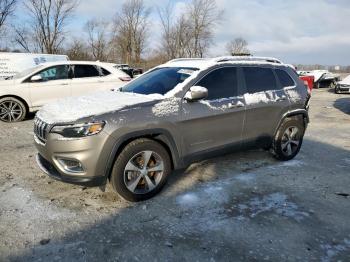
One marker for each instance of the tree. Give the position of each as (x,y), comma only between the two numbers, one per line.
(7,7)
(238,46)
(131,30)
(203,15)
(46,26)
(191,33)
(77,50)
(97,39)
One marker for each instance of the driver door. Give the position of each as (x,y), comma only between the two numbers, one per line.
(54,84)
(217,121)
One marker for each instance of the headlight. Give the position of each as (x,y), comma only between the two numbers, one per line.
(81,130)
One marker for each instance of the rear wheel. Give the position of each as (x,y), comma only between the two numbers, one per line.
(12,110)
(141,170)
(288,140)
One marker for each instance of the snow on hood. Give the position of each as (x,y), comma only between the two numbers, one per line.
(345,81)
(72,108)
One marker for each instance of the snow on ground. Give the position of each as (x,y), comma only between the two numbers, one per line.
(274,202)
(333,250)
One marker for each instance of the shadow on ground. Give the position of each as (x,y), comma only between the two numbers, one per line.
(271,210)
(343,104)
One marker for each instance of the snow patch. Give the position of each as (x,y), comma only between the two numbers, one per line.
(246,177)
(275,202)
(167,107)
(290,163)
(188,199)
(72,108)
(333,250)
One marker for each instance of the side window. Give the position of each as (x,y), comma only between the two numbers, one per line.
(55,73)
(259,79)
(104,72)
(221,83)
(82,71)
(284,78)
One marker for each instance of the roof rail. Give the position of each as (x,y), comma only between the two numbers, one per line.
(185,59)
(247,58)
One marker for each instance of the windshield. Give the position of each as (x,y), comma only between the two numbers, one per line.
(26,72)
(159,81)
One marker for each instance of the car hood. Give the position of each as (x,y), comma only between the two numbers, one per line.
(70,109)
(345,81)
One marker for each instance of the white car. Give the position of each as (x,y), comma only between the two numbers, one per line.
(32,88)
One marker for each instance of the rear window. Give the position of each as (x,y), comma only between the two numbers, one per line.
(284,78)
(259,79)
(81,71)
(105,72)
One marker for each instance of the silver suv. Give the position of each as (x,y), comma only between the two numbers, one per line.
(180,112)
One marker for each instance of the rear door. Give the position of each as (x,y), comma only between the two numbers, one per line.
(265,100)
(217,121)
(55,84)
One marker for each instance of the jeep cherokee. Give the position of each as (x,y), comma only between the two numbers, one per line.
(183,111)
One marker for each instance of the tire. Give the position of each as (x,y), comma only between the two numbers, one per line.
(12,110)
(288,140)
(336,90)
(131,179)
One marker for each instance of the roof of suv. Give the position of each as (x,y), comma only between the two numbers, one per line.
(202,63)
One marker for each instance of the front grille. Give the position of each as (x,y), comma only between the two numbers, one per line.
(40,129)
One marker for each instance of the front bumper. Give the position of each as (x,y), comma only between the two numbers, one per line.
(91,152)
(51,171)
(343,88)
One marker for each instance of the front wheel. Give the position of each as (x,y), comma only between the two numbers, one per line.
(12,110)
(141,170)
(288,140)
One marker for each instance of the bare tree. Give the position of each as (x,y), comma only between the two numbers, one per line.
(77,50)
(131,30)
(98,39)
(203,16)
(48,21)
(237,46)
(7,7)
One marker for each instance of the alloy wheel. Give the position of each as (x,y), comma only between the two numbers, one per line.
(10,111)
(143,172)
(290,140)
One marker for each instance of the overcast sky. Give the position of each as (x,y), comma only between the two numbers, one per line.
(296,31)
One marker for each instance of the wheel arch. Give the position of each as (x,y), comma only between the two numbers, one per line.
(159,135)
(294,114)
(19,98)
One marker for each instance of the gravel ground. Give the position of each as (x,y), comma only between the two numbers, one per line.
(244,206)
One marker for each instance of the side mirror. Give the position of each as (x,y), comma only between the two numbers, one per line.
(196,93)
(36,78)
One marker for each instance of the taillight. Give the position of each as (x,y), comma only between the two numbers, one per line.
(125,78)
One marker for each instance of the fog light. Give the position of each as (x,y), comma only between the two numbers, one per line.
(71,165)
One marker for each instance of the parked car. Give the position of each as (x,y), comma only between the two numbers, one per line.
(13,63)
(322,78)
(175,114)
(129,70)
(343,86)
(32,88)
(309,81)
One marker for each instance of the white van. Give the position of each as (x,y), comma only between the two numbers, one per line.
(13,63)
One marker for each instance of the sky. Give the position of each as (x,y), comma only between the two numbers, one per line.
(295,31)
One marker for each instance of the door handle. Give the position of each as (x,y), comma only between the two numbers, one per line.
(64,84)
(236,105)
